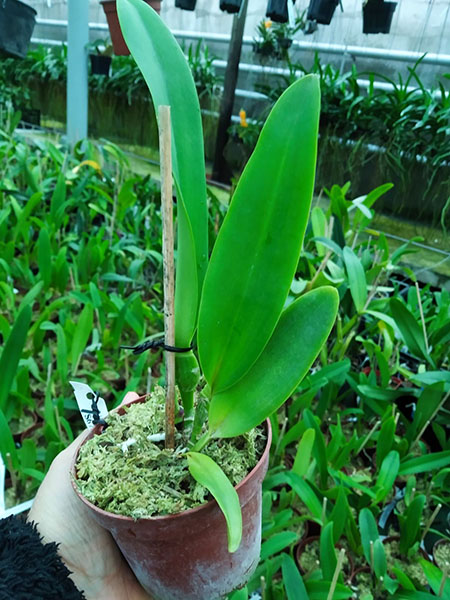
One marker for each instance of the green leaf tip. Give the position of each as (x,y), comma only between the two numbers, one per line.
(208,473)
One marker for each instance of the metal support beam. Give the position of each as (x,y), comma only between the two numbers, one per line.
(77,70)
(220,168)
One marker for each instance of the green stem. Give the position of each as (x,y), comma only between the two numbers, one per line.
(201,443)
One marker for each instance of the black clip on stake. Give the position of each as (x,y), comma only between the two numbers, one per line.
(154,345)
(95,412)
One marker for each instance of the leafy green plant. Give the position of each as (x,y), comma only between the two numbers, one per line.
(241,341)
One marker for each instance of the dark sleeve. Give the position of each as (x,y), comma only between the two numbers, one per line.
(30,569)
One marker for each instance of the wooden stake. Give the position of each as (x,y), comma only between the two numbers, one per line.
(336,573)
(168,261)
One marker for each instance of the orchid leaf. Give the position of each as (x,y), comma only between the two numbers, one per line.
(257,250)
(299,335)
(208,473)
(157,54)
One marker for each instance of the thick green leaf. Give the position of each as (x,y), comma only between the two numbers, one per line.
(319,227)
(379,559)
(328,560)
(208,473)
(410,595)
(81,335)
(303,455)
(293,582)
(305,493)
(12,352)
(340,514)
(356,279)
(428,462)
(410,329)
(388,474)
(165,69)
(319,449)
(278,542)
(241,594)
(428,402)
(300,333)
(385,440)
(318,590)
(45,257)
(434,576)
(410,523)
(7,444)
(369,532)
(258,246)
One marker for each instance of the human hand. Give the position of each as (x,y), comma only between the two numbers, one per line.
(89,551)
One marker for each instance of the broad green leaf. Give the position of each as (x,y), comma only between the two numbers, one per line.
(319,227)
(385,440)
(300,333)
(388,474)
(58,199)
(434,576)
(31,296)
(410,329)
(379,559)
(410,523)
(428,402)
(356,279)
(45,257)
(82,334)
(303,455)
(403,579)
(7,444)
(318,590)
(328,560)
(319,449)
(278,542)
(241,594)
(369,532)
(208,473)
(428,462)
(167,74)
(410,595)
(340,514)
(257,250)
(305,493)
(293,582)
(12,351)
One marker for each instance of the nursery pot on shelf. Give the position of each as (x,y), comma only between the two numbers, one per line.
(16,27)
(100,64)
(277,11)
(185,556)
(230,6)
(321,11)
(377,16)
(185,4)
(110,8)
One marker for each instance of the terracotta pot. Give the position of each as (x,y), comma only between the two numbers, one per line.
(185,556)
(119,45)
(19,436)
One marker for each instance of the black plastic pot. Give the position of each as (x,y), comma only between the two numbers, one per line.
(16,27)
(322,11)
(377,16)
(100,64)
(230,6)
(277,11)
(186,4)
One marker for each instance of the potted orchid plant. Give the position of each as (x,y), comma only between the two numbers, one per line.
(183,499)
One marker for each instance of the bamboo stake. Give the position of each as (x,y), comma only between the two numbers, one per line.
(168,261)
(336,573)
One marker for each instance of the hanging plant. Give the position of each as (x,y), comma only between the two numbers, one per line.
(16,27)
(377,16)
(277,10)
(185,4)
(230,6)
(322,11)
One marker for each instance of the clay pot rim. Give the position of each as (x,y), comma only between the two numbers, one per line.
(161,518)
(300,548)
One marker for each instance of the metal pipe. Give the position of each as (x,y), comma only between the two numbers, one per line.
(359,51)
(77,70)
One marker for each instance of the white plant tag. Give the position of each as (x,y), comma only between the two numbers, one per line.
(84,396)
(2,485)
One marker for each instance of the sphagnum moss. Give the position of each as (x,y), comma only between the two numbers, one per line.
(124,472)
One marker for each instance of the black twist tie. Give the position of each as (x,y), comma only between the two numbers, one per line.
(154,345)
(95,412)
